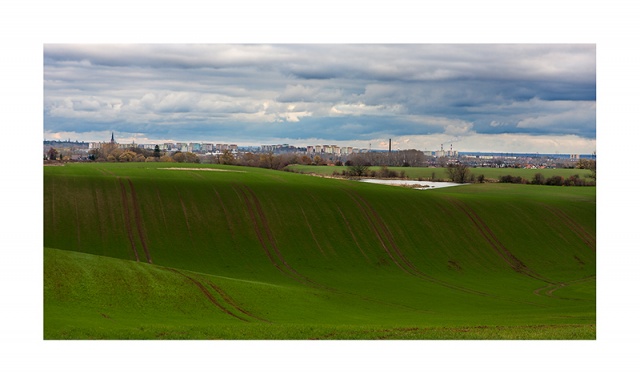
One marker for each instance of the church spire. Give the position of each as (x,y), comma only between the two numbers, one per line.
(112,140)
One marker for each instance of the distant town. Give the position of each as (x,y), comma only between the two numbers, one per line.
(321,154)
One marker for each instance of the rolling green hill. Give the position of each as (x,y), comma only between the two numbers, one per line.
(139,251)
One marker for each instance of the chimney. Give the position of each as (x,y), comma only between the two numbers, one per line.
(389,145)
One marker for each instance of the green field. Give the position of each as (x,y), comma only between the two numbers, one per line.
(135,251)
(441,173)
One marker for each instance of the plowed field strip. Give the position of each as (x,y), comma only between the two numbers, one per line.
(585,236)
(208,294)
(127,220)
(515,263)
(138,219)
(231,302)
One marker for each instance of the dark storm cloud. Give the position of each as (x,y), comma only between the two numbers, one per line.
(333,92)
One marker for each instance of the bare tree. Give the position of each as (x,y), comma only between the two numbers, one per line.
(227,158)
(358,166)
(459,173)
(53,154)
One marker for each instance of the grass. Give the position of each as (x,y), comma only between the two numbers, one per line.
(441,173)
(274,255)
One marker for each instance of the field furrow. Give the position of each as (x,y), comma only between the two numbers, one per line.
(578,230)
(515,263)
(127,220)
(138,219)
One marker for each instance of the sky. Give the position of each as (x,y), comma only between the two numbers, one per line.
(522,98)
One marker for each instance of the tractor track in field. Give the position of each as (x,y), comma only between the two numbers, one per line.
(576,228)
(100,218)
(353,235)
(265,236)
(257,229)
(515,263)
(75,204)
(53,205)
(357,199)
(127,220)
(267,230)
(208,294)
(383,233)
(186,216)
(107,172)
(161,204)
(196,176)
(306,220)
(227,216)
(553,287)
(292,273)
(402,262)
(231,302)
(389,236)
(103,172)
(137,216)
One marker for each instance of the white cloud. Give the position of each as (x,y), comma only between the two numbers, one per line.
(545,119)
(360,109)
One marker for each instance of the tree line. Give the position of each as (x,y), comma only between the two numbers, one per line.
(357,165)
(539,179)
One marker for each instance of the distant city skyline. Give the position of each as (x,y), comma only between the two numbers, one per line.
(504,98)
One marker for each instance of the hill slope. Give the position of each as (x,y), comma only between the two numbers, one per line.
(141,251)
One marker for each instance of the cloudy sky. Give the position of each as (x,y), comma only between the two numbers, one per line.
(479,97)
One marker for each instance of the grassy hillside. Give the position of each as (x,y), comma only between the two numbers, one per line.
(137,251)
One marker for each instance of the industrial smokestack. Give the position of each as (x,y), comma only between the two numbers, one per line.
(389,145)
